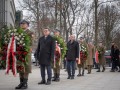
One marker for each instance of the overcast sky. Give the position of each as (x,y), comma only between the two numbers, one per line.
(24,12)
(18,7)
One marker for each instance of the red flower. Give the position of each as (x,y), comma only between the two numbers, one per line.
(5,48)
(25,53)
(18,48)
(14,53)
(19,52)
(23,60)
(20,68)
(3,58)
(20,58)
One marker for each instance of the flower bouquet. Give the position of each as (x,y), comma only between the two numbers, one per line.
(83,53)
(15,48)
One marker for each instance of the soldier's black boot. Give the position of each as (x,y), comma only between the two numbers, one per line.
(54,79)
(89,69)
(83,73)
(79,74)
(57,77)
(98,70)
(20,85)
(103,69)
(25,85)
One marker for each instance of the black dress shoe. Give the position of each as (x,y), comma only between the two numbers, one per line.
(69,77)
(112,70)
(79,75)
(88,73)
(48,82)
(42,82)
(72,77)
(98,71)
(54,79)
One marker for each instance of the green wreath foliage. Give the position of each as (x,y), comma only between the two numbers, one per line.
(23,43)
(62,45)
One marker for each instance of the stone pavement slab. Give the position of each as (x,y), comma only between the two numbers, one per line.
(95,81)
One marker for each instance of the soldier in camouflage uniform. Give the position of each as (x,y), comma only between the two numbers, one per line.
(58,55)
(83,57)
(24,76)
(101,58)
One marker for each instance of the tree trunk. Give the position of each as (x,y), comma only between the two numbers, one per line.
(96,22)
(38,24)
(56,12)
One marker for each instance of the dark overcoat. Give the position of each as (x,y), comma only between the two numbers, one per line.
(116,54)
(72,50)
(45,50)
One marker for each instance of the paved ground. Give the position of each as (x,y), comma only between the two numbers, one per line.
(94,81)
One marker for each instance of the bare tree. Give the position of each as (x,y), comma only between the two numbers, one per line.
(108,23)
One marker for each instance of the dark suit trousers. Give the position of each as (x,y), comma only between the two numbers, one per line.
(49,71)
(115,63)
(71,67)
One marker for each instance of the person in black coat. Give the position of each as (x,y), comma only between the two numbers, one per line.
(45,55)
(116,58)
(71,56)
(112,57)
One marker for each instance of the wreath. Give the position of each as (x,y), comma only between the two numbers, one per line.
(83,52)
(62,45)
(15,46)
(100,52)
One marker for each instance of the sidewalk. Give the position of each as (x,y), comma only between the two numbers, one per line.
(95,81)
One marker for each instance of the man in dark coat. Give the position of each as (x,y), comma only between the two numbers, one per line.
(45,55)
(71,56)
(112,56)
(115,58)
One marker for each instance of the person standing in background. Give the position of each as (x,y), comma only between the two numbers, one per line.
(83,56)
(89,61)
(116,58)
(71,56)
(101,58)
(112,57)
(60,52)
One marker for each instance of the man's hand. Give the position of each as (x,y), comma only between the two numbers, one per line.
(77,59)
(65,58)
(30,49)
